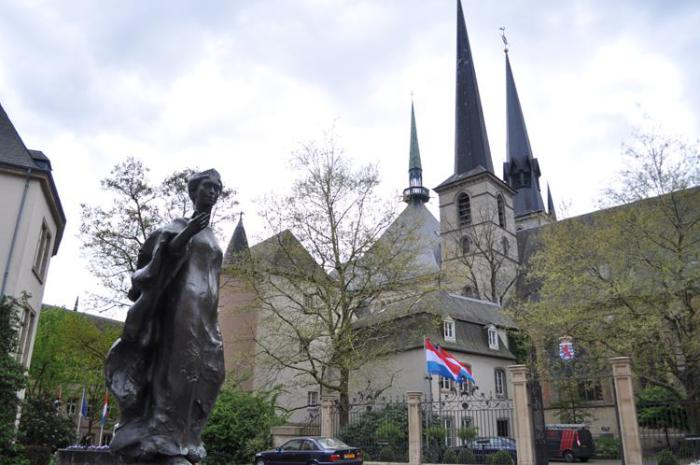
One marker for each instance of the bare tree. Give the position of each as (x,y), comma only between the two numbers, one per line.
(332,263)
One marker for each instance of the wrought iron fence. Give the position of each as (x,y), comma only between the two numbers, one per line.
(456,431)
(669,429)
(379,428)
(312,425)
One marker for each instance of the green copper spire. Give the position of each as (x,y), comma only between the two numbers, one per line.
(414,159)
(415,192)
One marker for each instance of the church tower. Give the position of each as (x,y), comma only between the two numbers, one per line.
(477,225)
(521,171)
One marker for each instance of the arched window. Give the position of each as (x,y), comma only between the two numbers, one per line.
(466,245)
(493,337)
(501,211)
(464,209)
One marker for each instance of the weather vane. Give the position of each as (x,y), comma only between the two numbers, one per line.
(503,38)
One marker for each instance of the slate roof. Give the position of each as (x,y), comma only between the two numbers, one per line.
(421,229)
(14,154)
(472,316)
(237,244)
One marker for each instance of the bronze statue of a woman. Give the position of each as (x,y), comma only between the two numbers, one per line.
(166,369)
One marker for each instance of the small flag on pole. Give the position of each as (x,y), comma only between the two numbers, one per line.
(84,405)
(105,409)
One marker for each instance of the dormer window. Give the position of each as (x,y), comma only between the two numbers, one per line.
(448,329)
(493,338)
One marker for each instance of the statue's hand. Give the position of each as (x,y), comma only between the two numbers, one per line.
(197,223)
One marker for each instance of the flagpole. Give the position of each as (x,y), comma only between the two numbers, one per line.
(80,415)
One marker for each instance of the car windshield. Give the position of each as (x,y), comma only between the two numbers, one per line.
(331,443)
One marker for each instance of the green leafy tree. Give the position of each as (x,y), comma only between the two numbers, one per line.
(239,426)
(626,281)
(12,379)
(112,235)
(69,354)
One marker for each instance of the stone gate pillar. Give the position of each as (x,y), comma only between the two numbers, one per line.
(524,434)
(626,411)
(414,426)
(327,415)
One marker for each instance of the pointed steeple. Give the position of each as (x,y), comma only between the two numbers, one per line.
(550,204)
(415,192)
(471,142)
(237,244)
(521,171)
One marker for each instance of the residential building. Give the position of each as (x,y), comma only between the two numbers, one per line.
(31,228)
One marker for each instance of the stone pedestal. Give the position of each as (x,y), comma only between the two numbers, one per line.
(327,415)
(414,426)
(524,434)
(87,456)
(626,411)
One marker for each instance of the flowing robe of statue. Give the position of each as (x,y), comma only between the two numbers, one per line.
(166,370)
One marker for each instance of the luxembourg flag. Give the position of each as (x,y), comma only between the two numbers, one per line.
(465,373)
(442,363)
(105,409)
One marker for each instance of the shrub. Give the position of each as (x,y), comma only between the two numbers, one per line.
(239,426)
(465,456)
(468,433)
(607,447)
(500,458)
(42,426)
(389,425)
(38,455)
(386,454)
(449,456)
(666,457)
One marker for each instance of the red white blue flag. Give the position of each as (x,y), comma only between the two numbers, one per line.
(442,363)
(105,409)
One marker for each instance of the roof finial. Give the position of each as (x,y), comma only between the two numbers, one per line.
(503,38)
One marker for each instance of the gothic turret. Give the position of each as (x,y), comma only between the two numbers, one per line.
(521,170)
(415,192)
(237,244)
(550,204)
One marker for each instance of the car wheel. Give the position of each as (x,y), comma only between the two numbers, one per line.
(584,459)
(569,456)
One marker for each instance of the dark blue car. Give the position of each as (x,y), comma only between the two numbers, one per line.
(483,447)
(311,451)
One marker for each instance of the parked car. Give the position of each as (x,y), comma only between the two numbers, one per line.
(482,447)
(569,442)
(311,451)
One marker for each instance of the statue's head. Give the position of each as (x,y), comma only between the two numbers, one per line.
(204,189)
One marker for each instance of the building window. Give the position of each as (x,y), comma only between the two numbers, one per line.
(503,427)
(506,245)
(466,245)
(448,330)
(501,211)
(41,255)
(25,336)
(493,338)
(468,291)
(464,209)
(312,398)
(446,384)
(500,382)
(590,391)
(71,405)
(449,432)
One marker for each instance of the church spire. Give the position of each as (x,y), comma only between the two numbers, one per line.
(471,142)
(521,171)
(237,244)
(415,192)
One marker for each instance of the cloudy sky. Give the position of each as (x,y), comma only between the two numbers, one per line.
(238,85)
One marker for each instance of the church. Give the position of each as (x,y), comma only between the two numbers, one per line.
(469,255)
